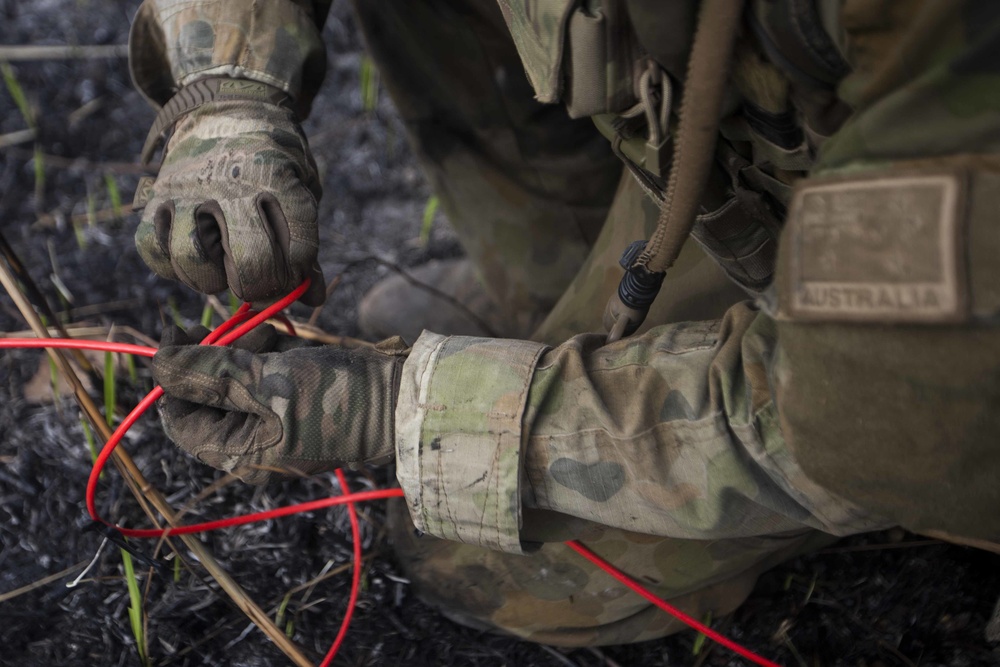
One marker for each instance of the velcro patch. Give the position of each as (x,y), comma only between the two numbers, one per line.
(242,88)
(143,192)
(883,250)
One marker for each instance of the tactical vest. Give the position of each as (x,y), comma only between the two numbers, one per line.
(622,63)
(887,395)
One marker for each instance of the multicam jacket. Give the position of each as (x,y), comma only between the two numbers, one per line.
(861,389)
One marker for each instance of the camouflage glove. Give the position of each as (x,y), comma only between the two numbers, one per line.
(235,201)
(282,406)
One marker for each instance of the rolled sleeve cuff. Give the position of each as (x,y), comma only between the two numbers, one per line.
(459,439)
(173,43)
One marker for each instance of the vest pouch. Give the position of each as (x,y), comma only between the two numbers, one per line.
(741,235)
(887,375)
(581,53)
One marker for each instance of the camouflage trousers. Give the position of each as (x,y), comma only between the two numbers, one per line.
(543,209)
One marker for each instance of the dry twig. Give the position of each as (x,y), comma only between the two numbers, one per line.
(44,581)
(22,52)
(302,329)
(144,492)
(19,137)
(17,266)
(79,164)
(104,215)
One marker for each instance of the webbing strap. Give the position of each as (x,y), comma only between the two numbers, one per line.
(201,92)
(697,131)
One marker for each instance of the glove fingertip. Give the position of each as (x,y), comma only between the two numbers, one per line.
(197,333)
(173,335)
(262,338)
(151,249)
(315,296)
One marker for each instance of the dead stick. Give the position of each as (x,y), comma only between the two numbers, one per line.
(146,491)
(80,164)
(104,215)
(7,250)
(18,137)
(44,581)
(303,330)
(16,52)
(329,290)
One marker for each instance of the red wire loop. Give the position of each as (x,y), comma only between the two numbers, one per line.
(355,574)
(239,324)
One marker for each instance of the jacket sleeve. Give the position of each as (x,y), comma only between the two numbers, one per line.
(677,432)
(672,433)
(176,42)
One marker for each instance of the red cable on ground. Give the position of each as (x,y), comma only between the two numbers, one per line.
(245,320)
(636,587)
(277,513)
(355,575)
(77,344)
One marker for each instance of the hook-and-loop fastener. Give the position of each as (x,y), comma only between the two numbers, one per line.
(201,92)
(897,246)
(189,98)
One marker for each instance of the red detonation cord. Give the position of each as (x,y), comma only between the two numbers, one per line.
(355,573)
(239,324)
(636,587)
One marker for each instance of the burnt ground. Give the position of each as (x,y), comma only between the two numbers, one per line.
(870,600)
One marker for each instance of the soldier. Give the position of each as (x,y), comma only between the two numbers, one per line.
(770,402)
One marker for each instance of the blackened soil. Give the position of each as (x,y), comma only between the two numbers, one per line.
(870,600)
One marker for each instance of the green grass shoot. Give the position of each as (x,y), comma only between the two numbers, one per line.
(54,381)
(177,569)
(369,84)
(795,652)
(234,303)
(135,609)
(89,437)
(175,312)
(133,377)
(206,316)
(81,240)
(91,208)
(53,369)
(811,589)
(425,228)
(16,92)
(699,641)
(91,442)
(280,616)
(109,388)
(39,162)
(114,195)
(21,101)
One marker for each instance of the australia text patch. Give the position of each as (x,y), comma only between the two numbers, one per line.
(884,250)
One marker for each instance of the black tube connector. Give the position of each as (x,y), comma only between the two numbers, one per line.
(638,287)
(628,307)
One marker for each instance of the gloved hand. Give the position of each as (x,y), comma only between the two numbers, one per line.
(235,203)
(281,404)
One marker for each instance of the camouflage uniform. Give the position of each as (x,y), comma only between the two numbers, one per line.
(857,391)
